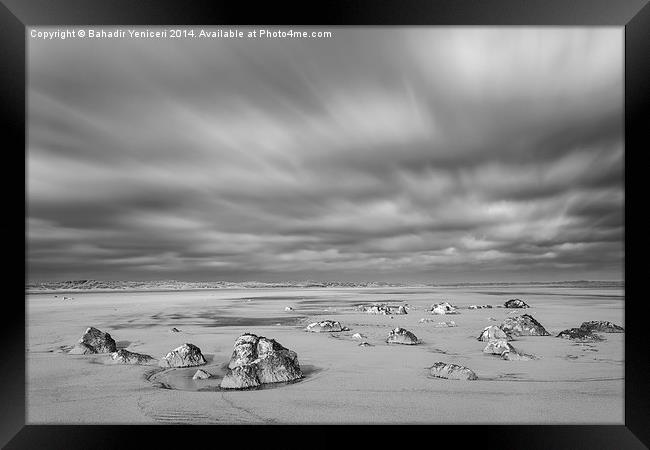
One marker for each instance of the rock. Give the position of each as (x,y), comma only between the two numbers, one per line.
(472,307)
(515,303)
(201,375)
(81,348)
(257,360)
(187,355)
(479,306)
(516,356)
(579,334)
(123,356)
(452,372)
(443,308)
(358,336)
(382,308)
(365,344)
(402,336)
(325,326)
(492,319)
(493,332)
(288,308)
(100,342)
(602,326)
(524,325)
(174,330)
(498,346)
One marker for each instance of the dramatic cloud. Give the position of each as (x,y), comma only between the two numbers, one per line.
(427,154)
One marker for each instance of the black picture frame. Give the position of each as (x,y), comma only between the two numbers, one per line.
(634,15)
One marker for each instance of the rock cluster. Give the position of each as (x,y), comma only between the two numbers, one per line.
(579,334)
(493,332)
(602,326)
(123,356)
(257,360)
(402,336)
(382,308)
(452,372)
(515,303)
(443,308)
(187,355)
(94,341)
(524,325)
(479,307)
(326,326)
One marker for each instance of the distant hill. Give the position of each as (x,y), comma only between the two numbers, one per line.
(97,285)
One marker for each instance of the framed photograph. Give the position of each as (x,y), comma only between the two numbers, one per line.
(378,213)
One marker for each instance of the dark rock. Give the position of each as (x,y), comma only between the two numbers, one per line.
(452,372)
(187,355)
(602,326)
(126,357)
(257,360)
(326,326)
(493,332)
(100,342)
(174,330)
(524,325)
(365,344)
(515,303)
(579,334)
(402,336)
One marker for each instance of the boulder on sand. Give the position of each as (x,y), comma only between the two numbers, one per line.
(288,308)
(123,356)
(98,341)
(498,346)
(452,372)
(517,356)
(174,330)
(187,355)
(602,326)
(358,336)
(493,332)
(579,334)
(515,303)
(258,360)
(402,336)
(326,326)
(201,375)
(524,325)
(443,308)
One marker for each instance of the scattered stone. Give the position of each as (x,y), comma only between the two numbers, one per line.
(452,372)
(326,326)
(602,326)
(98,341)
(479,306)
(187,355)
(579,334)
(174,330)
(498,346)
(358,336)
(201,375)
(257,360)
(493,332)
(82,348)
(402,336)
(515,303)
(516,356)
(524,325)
(123,356)
(443,308)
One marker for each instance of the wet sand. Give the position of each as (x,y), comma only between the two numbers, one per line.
(571,383)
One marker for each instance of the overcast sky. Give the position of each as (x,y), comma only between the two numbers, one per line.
(397,154)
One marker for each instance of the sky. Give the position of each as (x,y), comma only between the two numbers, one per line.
(431,154)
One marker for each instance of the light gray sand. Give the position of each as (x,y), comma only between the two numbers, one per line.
(344,383)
